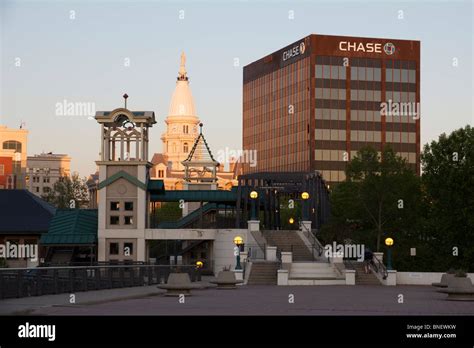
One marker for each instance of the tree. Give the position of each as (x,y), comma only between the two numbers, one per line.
(380,197)
(448,181)
(69,192)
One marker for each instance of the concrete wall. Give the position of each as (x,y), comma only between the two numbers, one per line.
(422,278)
(224,247)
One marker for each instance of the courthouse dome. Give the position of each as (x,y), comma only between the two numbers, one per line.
(182,102)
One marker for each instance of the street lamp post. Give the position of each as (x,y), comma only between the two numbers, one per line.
(238,241)
(304,208)
(253,198)
(389,243)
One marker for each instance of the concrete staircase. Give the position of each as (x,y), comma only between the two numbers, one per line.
(314,273)
(263,273)
(362,278)
(289,240)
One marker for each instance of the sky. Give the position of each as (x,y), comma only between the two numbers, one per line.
(95,51)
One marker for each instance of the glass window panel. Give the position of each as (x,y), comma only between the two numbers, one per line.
(342,94)
(404,97)
(319,134)
(377,95)
(389,137)
(396,75)
(326,155)
(342,72)
(326,71)
(369,95)
(318,154)
(319,71)
(353,73)
(326,114)
(354,115)
(396,97)
(319,93)
(370,74)
(369,136)
(326,93)
(334,114)
(412,137)
(319,113)
(396,137)
(342,134)
(412,157)
(334,134)
(388,75)
(404,75)
(370,115)
(353,94)
(326,134)
(334,155)
(353,135)
(377,136)
(404,137)
(412,76)
(342,114)
(412,97)
(334,71)
(377,74)
(361,73)
(361,135)
(342,176)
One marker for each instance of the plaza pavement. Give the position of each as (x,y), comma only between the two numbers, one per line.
(249,300)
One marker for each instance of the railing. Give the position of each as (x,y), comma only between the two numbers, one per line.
(378,267)
(255,251)
(24,282)
(315,243)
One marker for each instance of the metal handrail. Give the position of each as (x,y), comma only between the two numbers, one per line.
(378,267)
(314,241)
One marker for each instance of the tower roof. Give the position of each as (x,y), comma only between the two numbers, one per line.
(182,102)
(200,153)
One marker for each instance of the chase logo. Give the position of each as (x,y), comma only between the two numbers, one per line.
(302,48)
(294,51)
(389,48)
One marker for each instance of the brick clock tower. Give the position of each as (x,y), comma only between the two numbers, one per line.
(122,188)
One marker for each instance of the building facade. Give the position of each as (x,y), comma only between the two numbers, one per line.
(13,145)
(44,170)
(182,130)
(313,104)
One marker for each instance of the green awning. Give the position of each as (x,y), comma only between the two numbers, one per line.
(72,227)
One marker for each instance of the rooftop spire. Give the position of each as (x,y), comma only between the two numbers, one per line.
(182,69)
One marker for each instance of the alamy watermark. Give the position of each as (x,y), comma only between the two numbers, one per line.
(392,108)
(349,251)
(243,156)
(68,108)
(19,251)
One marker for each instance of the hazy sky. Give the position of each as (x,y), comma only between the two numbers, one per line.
(50,54)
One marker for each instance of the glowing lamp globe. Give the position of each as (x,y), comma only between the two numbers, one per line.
(238,240)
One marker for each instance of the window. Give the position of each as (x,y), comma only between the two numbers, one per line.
(128,220)
(185,129)
(114,220)
(113,248)
(2,169)
(128,249)
(46,180)
(161,173)
(37,189)
(129,206)
(12,145)
(115,206)
(46,189)
(185,148)
(319,71)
